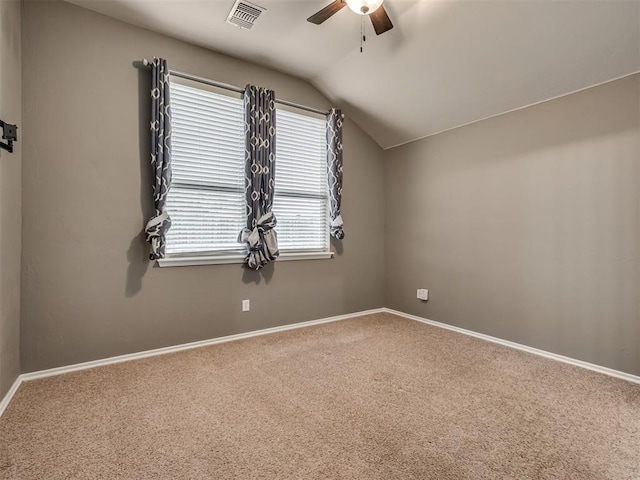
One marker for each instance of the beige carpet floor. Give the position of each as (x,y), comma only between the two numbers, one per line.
(377,397)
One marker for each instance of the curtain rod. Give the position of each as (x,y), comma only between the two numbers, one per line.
(233,88)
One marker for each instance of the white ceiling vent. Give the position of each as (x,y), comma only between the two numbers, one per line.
(244,14)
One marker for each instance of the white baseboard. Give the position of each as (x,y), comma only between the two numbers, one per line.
(536,351)
(4,403)
(25,377)
(187,346)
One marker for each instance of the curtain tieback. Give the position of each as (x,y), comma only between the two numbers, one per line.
(336,227)
(262,242)
(157,226)
(255,238)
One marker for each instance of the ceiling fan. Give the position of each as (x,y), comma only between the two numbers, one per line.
(372,8)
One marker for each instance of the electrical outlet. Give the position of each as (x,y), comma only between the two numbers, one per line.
(246,305)
(423,294)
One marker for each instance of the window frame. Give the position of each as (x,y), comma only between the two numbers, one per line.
(221,257)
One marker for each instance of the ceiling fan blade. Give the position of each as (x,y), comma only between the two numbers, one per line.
(326,12)
(380,20)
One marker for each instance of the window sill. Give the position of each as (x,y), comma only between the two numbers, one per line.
(227,259)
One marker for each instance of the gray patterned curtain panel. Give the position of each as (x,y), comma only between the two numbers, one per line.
(159,224)
(335,119)
(260,161)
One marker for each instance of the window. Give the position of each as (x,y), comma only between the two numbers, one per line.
(301,202)
(206,201)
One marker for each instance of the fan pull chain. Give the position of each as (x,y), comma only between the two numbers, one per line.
(363,38)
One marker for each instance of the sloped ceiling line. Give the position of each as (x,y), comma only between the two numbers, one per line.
(445,64)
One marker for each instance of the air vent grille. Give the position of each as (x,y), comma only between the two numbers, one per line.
(244,14)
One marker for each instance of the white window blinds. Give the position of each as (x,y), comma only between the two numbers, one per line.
(206,200)
(301,197)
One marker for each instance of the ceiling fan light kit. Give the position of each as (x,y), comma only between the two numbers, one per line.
(364,7)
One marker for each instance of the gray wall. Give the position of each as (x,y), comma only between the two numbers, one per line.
(10,199)
(88,290)
(526,226)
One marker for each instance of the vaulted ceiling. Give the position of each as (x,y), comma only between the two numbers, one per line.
(445,64)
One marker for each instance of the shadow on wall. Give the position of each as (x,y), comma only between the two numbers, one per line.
(337,245)
(138,253)
(253,276)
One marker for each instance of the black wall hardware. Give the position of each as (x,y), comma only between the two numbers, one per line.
(10,134)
